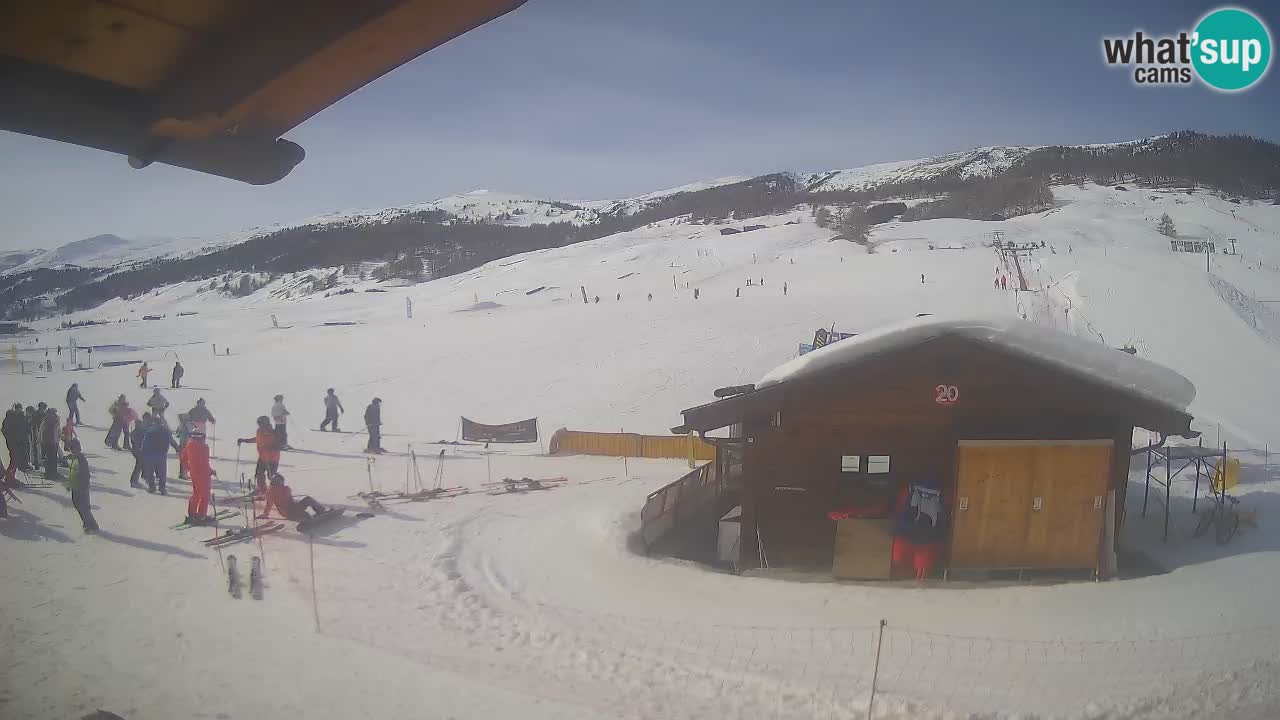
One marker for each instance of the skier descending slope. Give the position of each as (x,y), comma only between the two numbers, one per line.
(373,421)
(332,407)
(280,415)
(196,458)
(268,452)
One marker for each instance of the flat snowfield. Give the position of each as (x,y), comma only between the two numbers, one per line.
(533,605)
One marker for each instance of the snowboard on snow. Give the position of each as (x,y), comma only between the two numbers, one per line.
(306,525)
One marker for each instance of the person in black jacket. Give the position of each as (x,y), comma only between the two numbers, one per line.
(73,403)
(139,429)
(15,436)
(35,423)
(50,432)
(373,421)
(200,416)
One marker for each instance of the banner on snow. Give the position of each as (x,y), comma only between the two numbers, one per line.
(524,431)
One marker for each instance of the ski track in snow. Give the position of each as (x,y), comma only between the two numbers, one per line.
(532,605)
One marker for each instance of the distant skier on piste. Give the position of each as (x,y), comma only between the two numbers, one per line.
(195,455)
(178,371)
(373,422)
(332,408)
(280,416)
(281,497)
(268,445)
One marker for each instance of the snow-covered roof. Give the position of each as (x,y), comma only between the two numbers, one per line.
(1083,358)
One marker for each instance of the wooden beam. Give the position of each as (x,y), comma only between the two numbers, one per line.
(292,58)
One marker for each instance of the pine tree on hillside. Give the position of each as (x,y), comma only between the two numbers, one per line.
(854,225)
(822,216)
(1165,226)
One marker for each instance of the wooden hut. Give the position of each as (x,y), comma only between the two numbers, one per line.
(1006,440)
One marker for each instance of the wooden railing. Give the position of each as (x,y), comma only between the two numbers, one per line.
(666,508)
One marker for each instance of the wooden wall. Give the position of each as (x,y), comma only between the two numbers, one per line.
(888,407)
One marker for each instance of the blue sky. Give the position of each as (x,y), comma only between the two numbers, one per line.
(588,99)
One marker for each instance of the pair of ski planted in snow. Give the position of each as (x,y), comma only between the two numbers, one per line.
(255,578)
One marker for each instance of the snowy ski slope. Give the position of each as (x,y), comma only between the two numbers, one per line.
(533,605)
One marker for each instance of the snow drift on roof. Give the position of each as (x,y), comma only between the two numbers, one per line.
(1086,359)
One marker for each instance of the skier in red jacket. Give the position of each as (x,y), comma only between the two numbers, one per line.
(268,444)
(195,455)
(282,498)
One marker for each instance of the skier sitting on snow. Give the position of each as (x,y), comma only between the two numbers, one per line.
(195,455)
(268,452)
(282,498)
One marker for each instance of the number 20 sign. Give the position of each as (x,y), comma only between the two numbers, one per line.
(946,394)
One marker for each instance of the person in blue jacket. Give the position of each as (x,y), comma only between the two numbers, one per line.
(156,441)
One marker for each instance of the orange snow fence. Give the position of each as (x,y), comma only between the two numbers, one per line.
(575,442)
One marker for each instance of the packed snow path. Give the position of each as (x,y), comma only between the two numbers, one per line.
(532,605)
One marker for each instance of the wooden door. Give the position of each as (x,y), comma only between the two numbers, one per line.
(998,487)
(993,495)
(1071,482)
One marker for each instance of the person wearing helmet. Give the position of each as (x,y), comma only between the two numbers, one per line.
(332,407)
(268,445)
(373,421)
(195,455)
(280,496)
